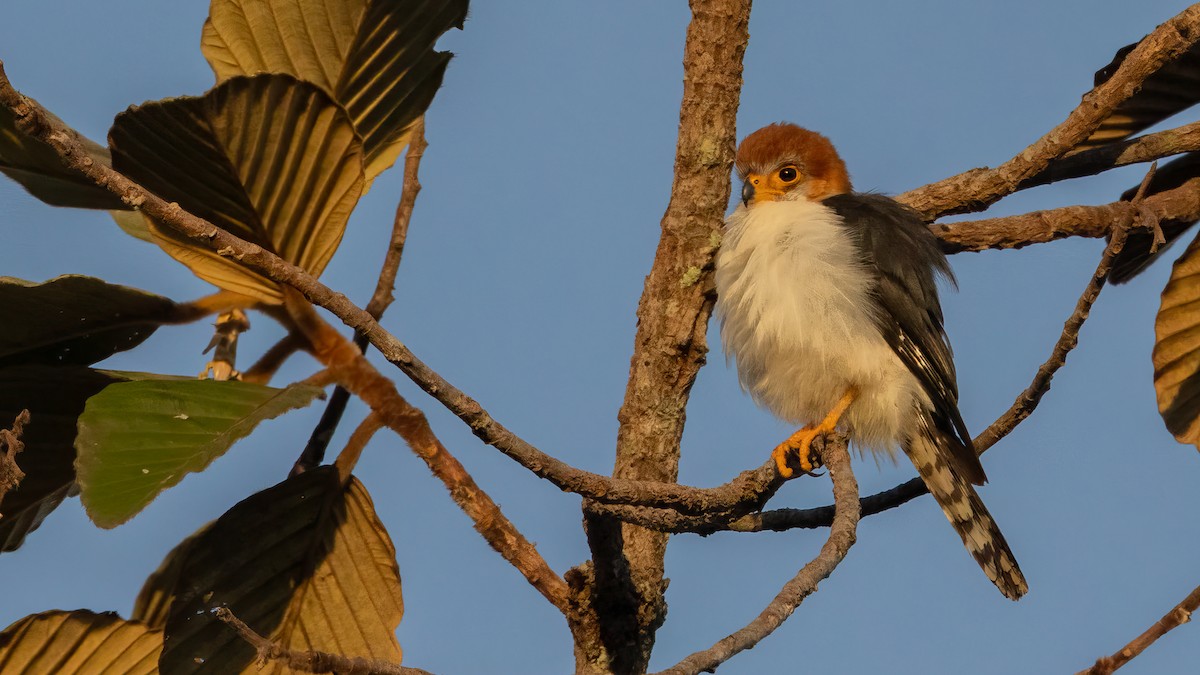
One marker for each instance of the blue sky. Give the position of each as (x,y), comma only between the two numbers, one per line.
(549,167)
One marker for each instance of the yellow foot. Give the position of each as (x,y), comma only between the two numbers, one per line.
(798,446)
(800,443)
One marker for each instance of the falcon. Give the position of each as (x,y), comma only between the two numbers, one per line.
(829,307)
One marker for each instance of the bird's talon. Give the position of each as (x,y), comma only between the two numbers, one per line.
(780,455)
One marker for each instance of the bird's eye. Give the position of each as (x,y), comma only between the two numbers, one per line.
(788,174)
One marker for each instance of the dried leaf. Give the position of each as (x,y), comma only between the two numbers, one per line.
(1177,348)
(74,320)
(80,643)
(55,397)
(375,57)
(268,158)
(306,563)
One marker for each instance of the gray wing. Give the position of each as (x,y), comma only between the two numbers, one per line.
(906,259)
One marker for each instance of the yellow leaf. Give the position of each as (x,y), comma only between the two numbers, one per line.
(306,563)
(81,643)
(1177,348)
(269,158)
(374,57)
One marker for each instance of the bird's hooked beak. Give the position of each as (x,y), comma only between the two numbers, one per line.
(758,187)
(747,192)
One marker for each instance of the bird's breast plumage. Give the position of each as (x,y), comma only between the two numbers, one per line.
(799,318)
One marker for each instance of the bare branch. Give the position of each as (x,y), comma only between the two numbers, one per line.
(310,661)
(672,314)
(1018,412)
(382,298)
(748,485)
(10,446)
(1179,615)
(314,451)
(786,519)
(1181,203)
(269,363)
(977,189)
(348,457)
(841,537)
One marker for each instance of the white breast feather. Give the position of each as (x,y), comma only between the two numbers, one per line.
(797,317)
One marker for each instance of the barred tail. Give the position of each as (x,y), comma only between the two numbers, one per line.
(930,452)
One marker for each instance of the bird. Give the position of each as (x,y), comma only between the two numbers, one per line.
(828,305)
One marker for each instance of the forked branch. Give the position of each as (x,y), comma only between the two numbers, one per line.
(841,537)
(977,189)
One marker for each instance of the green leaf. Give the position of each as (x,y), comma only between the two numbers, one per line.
(55,397)
(269,158)
(306,563)
(375,57)
(74,320)
(139,438)
(38,169)
(80,643)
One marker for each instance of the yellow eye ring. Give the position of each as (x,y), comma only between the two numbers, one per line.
(788,174)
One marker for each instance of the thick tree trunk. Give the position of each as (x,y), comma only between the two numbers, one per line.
(625,579)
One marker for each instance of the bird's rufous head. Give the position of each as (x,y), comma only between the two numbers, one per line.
(783,161)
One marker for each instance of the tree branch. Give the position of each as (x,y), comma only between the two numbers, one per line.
(381,299)
(32,119)
(786,519)
(10,446)
(310,661)
(347,459)
(1179,615)
(1181,203)
(352,371)
(672,315)
(977,189)
(841,537)
(269,363)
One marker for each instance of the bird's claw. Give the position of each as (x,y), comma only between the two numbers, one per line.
(797,452)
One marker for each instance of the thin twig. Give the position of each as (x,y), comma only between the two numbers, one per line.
(269,363)
(749,486)
(348,457)
(841,537)
(669,346)
(382,298)
(10,446)
(976,189)
(1179,615)
(310,661)
(314,451)
(786,519)
(1020,410)
(34,120)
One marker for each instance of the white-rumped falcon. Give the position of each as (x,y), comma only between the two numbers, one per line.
(829,306)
